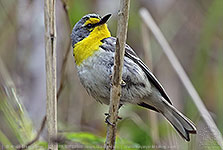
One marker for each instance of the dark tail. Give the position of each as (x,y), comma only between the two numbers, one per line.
(180,122)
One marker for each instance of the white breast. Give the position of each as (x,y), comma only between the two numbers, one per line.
(95,74)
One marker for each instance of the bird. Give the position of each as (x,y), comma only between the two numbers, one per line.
(93,51)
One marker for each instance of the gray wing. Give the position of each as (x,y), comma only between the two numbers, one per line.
(109,45)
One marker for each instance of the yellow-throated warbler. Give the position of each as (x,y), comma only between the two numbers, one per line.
(94,50)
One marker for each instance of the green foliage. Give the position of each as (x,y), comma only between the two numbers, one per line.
(19,124)
(89,141)
(5,141)
(42,145)
(85,138)
(16,123)
(15,126)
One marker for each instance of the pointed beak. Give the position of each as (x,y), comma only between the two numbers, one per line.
(104,19)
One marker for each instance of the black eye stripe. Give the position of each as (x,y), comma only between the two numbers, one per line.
(91,25)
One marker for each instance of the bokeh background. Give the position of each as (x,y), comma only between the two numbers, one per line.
(194,29)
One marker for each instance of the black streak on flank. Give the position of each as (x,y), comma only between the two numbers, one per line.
(130,83)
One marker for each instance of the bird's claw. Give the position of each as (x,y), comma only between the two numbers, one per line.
(122,82)
(107,119)
(110,77)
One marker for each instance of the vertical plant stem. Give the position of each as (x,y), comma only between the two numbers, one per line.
(61,87)
(51,89)
(115,94)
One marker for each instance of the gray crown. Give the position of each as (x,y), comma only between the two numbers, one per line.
(80,32)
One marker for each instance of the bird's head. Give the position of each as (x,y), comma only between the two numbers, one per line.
(90,24)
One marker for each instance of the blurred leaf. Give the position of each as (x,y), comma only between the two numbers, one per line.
(17,122)
(4,140)
(14,118)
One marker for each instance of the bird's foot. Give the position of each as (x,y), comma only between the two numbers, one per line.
(110,77)
(107,119)
(122,82)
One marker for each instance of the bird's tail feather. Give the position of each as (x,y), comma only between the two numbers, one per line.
(180,122)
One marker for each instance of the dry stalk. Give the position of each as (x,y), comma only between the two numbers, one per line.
(61,87)
(51,79)
(115,94)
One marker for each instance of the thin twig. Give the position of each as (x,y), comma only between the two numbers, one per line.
(117,73)
(51,78)
(147,18)
(64,63)
(62,80)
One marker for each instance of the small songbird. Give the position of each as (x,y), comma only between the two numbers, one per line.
(93,51)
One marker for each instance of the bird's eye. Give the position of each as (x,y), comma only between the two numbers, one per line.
(89,25)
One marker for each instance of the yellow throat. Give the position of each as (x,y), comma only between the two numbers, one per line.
(89,45)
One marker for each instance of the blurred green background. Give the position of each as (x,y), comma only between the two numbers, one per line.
(194,30)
